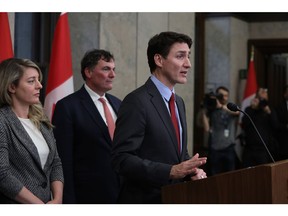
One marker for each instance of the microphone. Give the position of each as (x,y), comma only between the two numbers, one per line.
(233,107)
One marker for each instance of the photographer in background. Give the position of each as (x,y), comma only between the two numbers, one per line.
(265,119)
(220,123)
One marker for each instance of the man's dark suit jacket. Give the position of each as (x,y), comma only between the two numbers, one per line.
(84,146)
(145,145)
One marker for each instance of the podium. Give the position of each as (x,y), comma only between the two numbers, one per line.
(263,184)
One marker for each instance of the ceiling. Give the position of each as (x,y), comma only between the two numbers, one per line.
(253,17)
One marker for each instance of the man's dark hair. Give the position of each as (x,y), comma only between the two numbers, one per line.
(222,88)
(91,58)
(162,43)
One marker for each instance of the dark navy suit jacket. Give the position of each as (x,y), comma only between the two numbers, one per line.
(84,145)
(145,144)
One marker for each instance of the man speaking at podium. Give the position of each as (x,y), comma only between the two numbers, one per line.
(150,140)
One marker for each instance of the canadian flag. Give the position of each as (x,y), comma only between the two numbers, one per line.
(60,76)
(6,50)
(251,84)
(249,94)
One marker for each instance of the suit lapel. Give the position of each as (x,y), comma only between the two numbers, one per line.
(22,135)
(94,113)
(160,107)
(114,106)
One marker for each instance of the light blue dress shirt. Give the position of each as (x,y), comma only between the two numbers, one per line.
(166,94)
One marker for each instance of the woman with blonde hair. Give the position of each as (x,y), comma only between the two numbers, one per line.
(30,168)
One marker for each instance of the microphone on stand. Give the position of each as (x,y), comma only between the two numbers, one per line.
(233,107)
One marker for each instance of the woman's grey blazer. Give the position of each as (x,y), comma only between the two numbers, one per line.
(20,162)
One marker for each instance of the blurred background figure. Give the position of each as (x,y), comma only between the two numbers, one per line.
(282,135)
(265,119)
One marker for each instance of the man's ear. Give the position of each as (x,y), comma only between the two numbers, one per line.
(87,72)
(158,60)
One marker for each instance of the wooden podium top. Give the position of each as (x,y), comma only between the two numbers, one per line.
(261,184)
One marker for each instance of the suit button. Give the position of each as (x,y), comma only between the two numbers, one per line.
(44,185)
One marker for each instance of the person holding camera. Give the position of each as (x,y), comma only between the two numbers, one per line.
(265,120)
(220,123)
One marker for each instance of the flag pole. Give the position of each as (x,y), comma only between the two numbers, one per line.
(252,54)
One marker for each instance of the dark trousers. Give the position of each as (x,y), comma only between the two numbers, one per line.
(222,160)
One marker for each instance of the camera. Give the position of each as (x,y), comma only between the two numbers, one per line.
(263,103)
(210,100)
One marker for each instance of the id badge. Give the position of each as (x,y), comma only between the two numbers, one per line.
(226,133)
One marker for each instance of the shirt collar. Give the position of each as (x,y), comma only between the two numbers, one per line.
(163,89)
(93,94)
